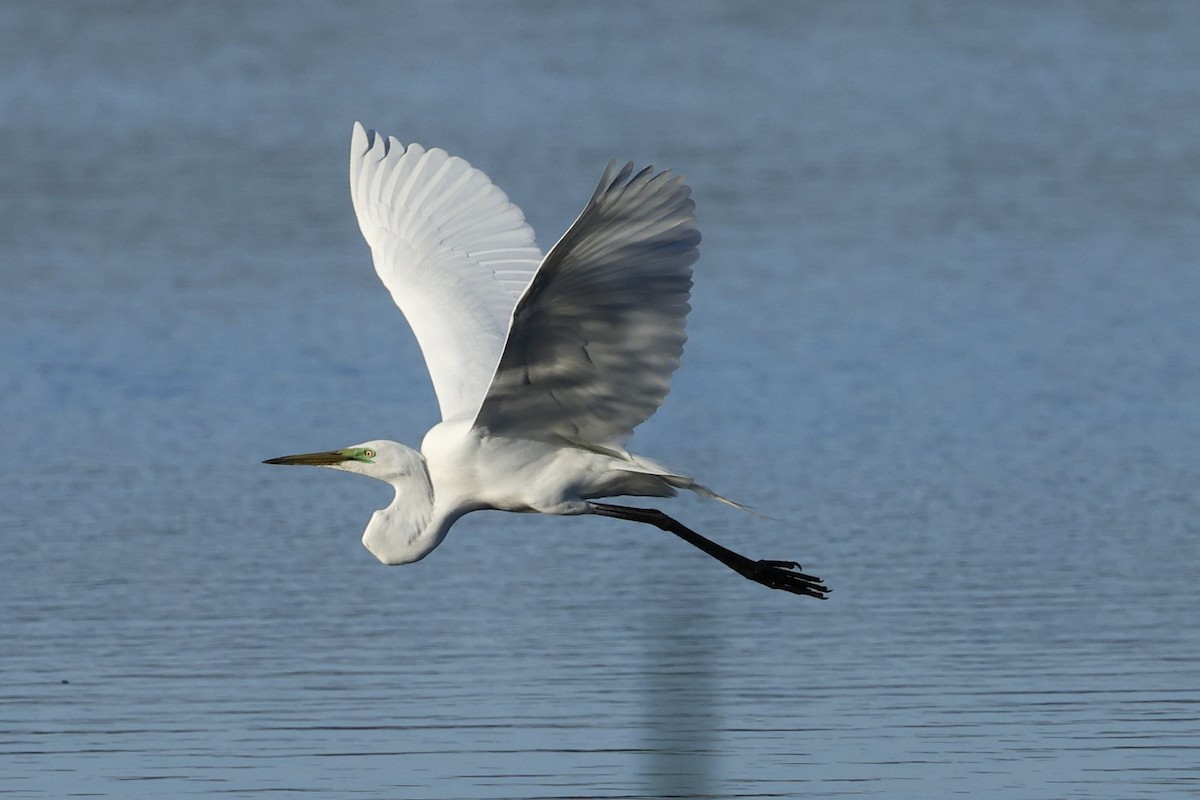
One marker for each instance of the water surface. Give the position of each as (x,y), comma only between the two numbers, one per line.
(944,334)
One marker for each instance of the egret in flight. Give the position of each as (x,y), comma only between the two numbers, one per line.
(542,364)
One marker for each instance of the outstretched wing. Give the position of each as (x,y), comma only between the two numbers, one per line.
(600,329)
(453,251)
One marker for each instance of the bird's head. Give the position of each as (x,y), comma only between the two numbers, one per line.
(382,460)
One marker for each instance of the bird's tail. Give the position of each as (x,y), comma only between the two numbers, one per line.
(688,483)
(684,482)
(645,466)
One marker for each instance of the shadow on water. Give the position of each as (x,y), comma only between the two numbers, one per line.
(680,715)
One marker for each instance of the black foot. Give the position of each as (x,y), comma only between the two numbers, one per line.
(785,575)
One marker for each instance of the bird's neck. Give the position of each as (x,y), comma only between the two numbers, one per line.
(407,529)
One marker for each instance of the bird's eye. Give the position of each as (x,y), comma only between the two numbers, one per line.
(369,453)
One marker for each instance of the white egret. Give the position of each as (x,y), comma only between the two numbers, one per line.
(542,365)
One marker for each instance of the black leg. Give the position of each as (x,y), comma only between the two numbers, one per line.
(784,575)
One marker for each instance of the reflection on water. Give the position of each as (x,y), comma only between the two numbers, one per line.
(943,335)
(681,717)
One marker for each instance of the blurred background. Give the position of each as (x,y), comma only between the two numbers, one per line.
(944,333)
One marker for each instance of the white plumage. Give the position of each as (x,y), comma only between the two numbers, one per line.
(452,250)
(542,365)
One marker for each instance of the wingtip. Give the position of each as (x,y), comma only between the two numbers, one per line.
(611,177)
(628,175)
(362,138)
(361,142)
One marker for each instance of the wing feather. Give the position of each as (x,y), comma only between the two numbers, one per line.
(599,331)
(452,250)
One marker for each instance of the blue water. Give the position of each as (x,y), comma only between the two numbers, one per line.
(945,334)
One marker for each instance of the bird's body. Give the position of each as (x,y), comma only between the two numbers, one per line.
(543,365)
(459,469)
